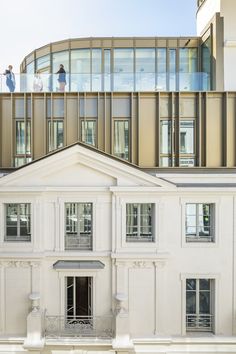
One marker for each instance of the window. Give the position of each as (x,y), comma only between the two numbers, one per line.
(187,137)
(121,139)
(139,222)
(199,305)
(78,233)
(165,135)
(23,143)
(55,135)
(88,132)
(18,219)
(123,69)
(199,222)
(79,301)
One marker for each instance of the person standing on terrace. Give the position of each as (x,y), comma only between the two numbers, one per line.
(61,78)
(10,78)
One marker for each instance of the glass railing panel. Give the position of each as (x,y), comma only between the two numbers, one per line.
(123,81)
(145,81)
(120,82)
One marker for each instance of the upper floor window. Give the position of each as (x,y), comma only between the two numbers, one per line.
(121,139)
(55,134)
(78,226)
(199,222)
(88,132)
(139,222)
(187,137)
(199,305)
(18,222)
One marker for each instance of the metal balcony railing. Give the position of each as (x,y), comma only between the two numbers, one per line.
(199,323)
(79,326)
(78,242)
(121,81)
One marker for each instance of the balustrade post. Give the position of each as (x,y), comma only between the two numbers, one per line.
(122,337)
(35,319)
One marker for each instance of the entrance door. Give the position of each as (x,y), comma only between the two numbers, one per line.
(78,297)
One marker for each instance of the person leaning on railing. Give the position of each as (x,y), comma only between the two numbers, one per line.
(10,78)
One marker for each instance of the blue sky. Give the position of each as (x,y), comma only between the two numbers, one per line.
(29,24)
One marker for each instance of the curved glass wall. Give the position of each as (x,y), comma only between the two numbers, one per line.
(122,69)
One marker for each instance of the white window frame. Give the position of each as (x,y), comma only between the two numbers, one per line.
(216,226)
(215,278)
(197,237)
(18,236)
(120,232)
(35,219)
(60,222)
(78,233)
(63,274)
(138,237)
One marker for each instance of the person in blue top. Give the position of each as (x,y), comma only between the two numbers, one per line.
(61,78)
(10,78)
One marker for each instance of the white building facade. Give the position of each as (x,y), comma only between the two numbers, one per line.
(111,258)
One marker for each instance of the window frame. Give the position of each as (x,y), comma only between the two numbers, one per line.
(201,200)
(215,306)
(18,236)
(120,218)
(197,313)
(51,136)
(78,234)
(197,237)
(85,120)
(125,119)
(140,238)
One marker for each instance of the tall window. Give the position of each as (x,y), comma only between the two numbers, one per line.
(79,303)
(199,305)
(145,69)
(107,70)
(139,222)
(78,233)
(121,139)
(22,132)
(206,63)
(89,132)
(199,222)
(55,134)
(18,219)
(186,143)
(124,69)
(189,79)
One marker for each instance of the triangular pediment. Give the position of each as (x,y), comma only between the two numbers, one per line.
(78,166)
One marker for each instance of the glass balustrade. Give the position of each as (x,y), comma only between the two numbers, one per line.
(121,82)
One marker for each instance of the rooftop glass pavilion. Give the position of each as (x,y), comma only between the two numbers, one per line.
(120,64)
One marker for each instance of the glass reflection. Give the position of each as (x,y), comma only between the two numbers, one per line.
(124,69)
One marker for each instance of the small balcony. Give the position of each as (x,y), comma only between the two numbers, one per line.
(199,323)
(79,327)
(113,82)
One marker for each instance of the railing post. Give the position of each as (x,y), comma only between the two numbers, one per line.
(35,320)
(122,337)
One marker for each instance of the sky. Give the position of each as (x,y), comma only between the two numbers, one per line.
(29,24)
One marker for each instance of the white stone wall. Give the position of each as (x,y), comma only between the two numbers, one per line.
(150,275)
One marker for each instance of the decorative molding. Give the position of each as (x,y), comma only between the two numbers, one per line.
(230,43)
(19,264)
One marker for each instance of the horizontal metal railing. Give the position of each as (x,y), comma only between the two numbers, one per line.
(199,238)
(201,323)
(79,326)
(139,238)
(78,242)
(23,238)
(120,81)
